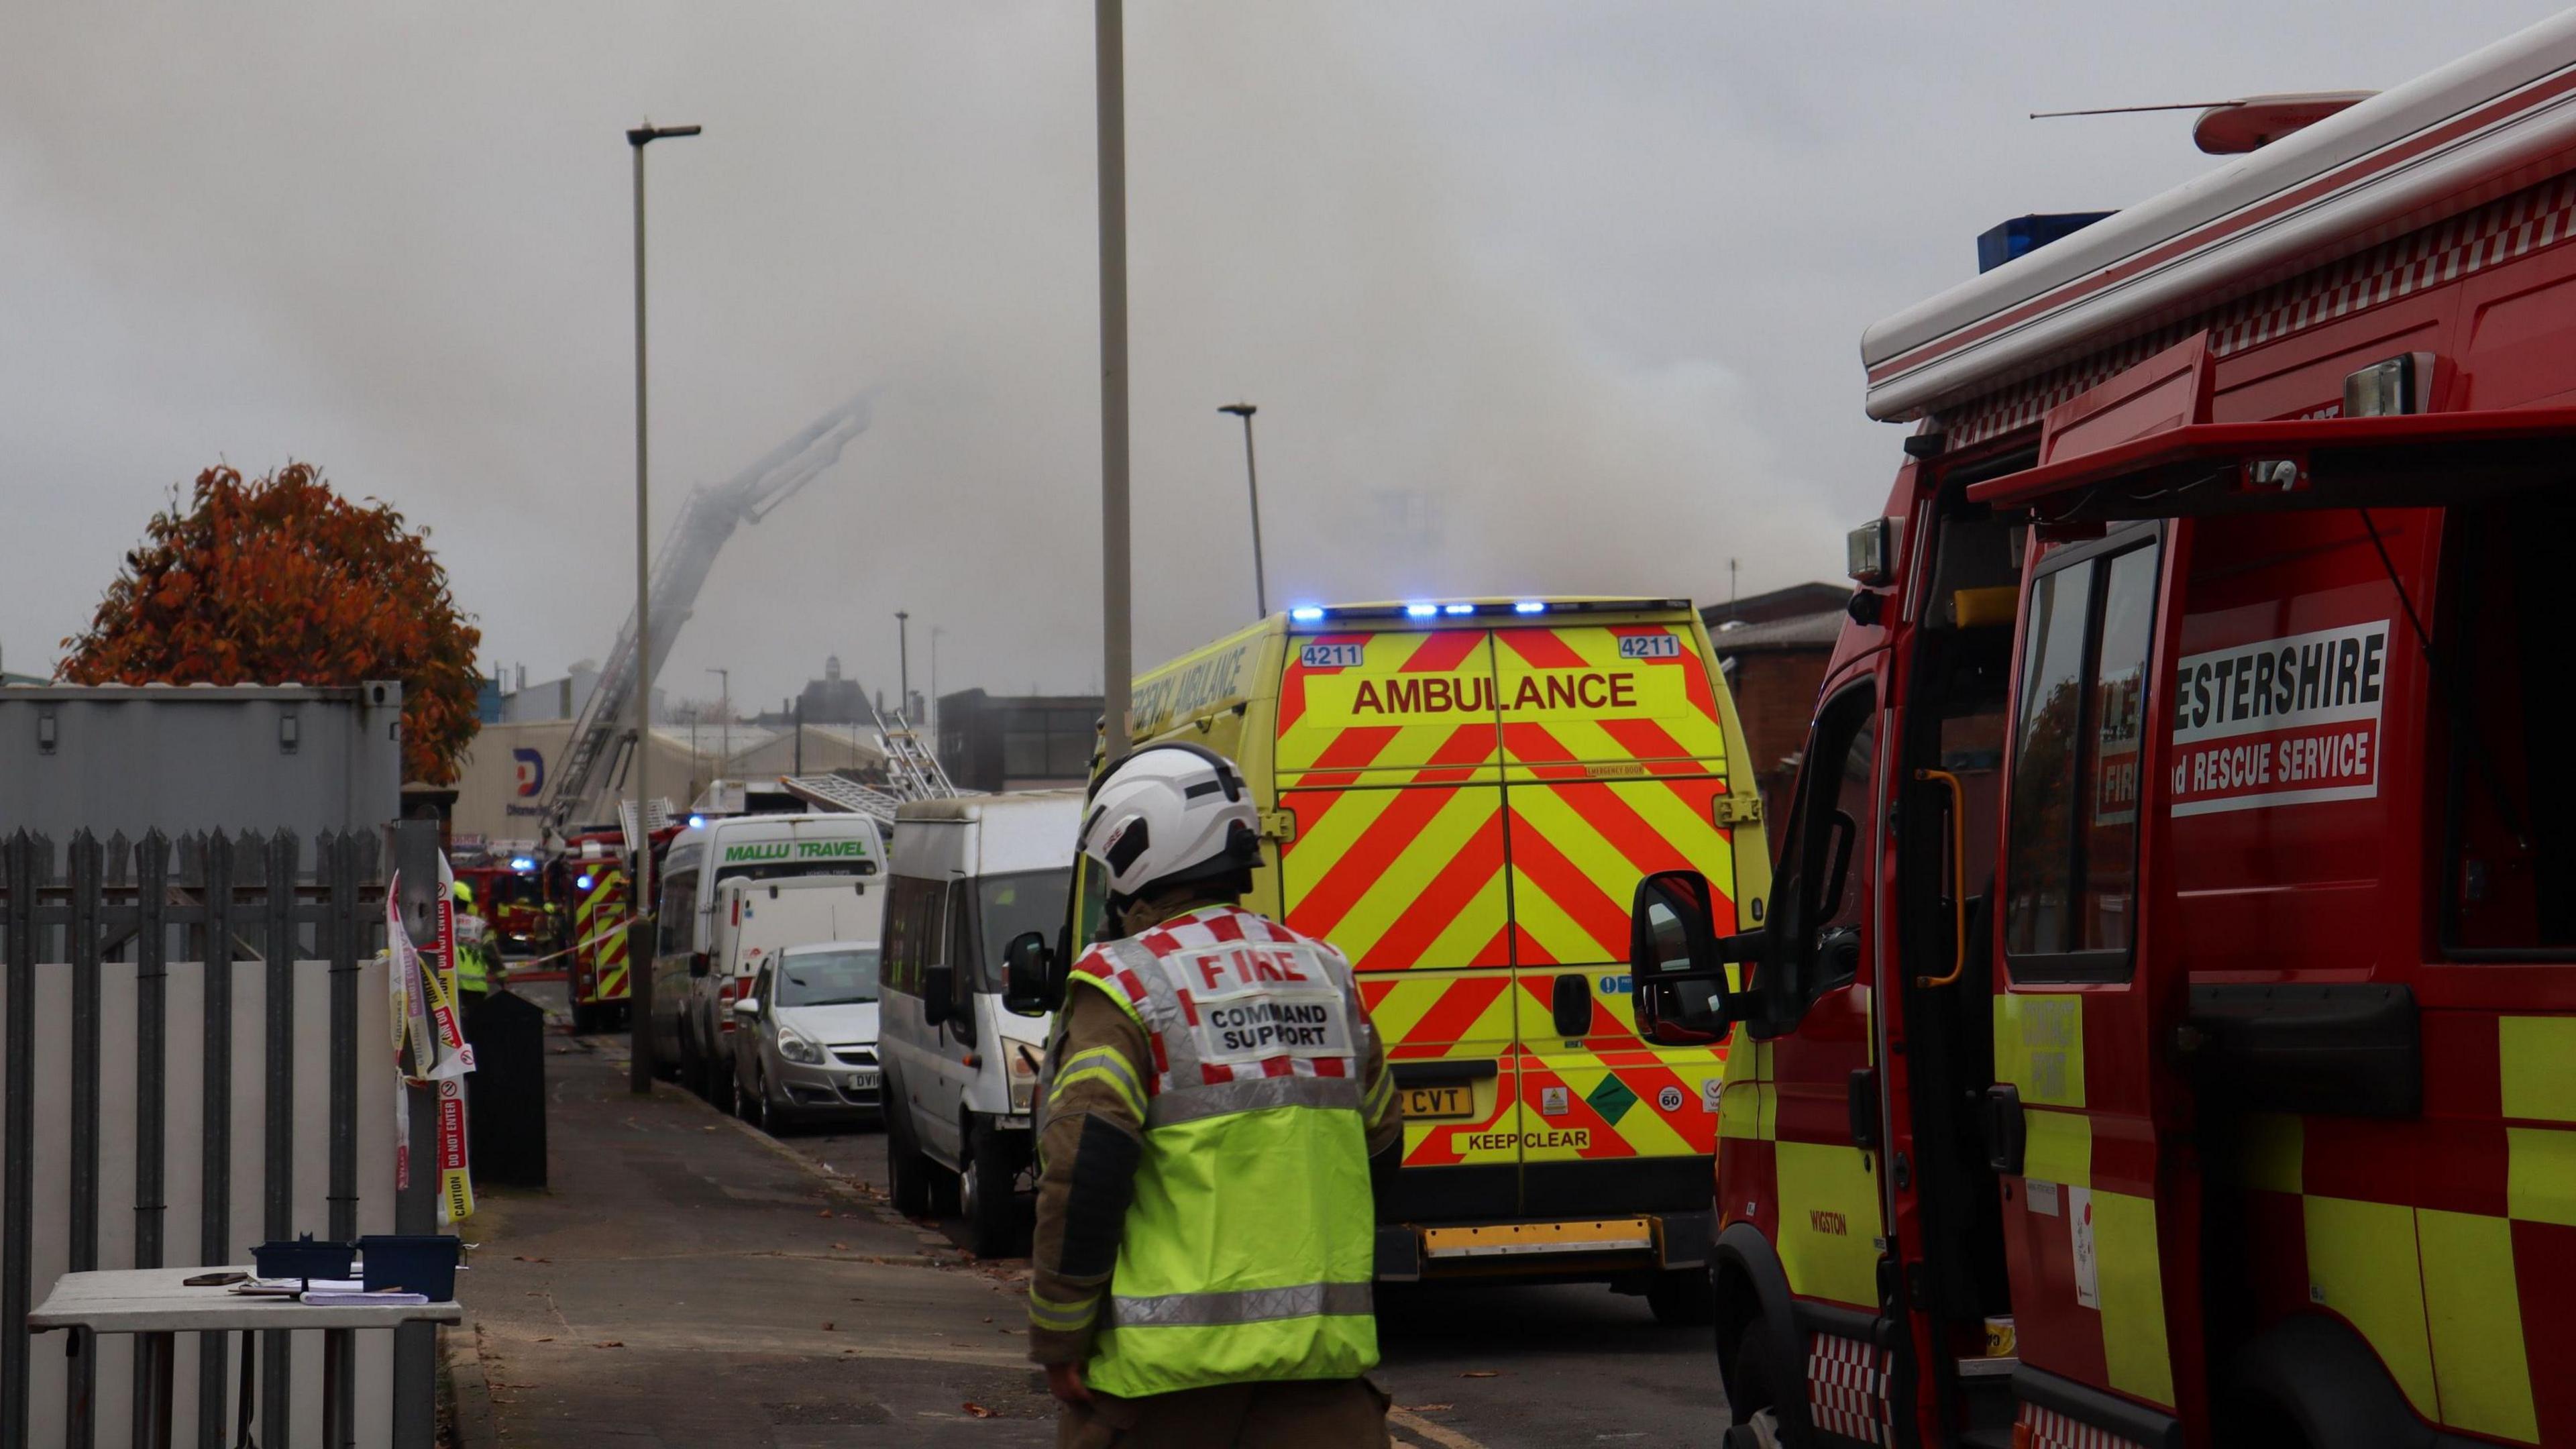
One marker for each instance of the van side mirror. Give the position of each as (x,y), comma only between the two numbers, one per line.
(1677,962)
(747,1008)
(938,994)
(1027,964)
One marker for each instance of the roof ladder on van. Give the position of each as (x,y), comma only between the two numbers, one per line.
(840,792)
(912,771)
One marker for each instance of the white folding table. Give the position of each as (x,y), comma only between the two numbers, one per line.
(156,1306)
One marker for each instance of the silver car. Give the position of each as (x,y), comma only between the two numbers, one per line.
(805,1038)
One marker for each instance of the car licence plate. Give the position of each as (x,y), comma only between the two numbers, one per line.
(1438,1103)
(862,1081)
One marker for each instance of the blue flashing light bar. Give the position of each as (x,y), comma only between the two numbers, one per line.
(523,862)
(1529,606)
(697,822)
(1460,609)
(1420,611)
(1306,613)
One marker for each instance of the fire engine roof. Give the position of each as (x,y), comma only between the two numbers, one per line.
(2441,143)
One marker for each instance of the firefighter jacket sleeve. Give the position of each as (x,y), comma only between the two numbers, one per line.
(1087,1156)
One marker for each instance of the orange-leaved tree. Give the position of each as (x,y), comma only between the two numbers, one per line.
(280,579)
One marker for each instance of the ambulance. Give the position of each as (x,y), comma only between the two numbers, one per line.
(1461,796)
(2162,1031)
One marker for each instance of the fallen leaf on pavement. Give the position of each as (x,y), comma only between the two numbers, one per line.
(524,1258)
(549,1338)
(1425,1408)
(1482,1374)
(610,1343)
(976,1409)
(840,1247)
(828,1328)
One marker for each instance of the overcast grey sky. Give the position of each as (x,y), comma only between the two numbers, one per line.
(1531,297)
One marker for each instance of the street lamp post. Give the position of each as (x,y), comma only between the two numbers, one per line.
(935,632)
(724,717)
(1109,96)
(903,663)
(1252,480)
(639,936)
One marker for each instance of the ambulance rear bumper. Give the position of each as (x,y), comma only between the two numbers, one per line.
(1560,1248)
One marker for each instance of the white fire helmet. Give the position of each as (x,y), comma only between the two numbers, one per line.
(1168,814)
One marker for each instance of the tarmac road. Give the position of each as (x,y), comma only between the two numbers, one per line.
(1469,1367)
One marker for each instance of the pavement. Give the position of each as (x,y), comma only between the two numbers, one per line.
(687,1280)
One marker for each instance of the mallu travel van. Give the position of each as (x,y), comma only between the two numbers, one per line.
(704,857)
(1461,796)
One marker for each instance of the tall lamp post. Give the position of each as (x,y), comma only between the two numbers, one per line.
(724,715)
(935,632)
(1109,96)
(639,935)
(903,664)
(1252,480)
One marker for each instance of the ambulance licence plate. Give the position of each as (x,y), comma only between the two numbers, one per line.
(1437,1103)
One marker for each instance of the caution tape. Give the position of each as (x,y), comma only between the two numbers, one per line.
(576,947)
(430,1051)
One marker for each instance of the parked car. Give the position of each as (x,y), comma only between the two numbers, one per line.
(968,875)
(752,921)
(805,1038)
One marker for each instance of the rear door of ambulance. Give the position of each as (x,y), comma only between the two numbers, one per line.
(1388,762)
(1615,765)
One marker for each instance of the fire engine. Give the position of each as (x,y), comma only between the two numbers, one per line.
(512,898)
(588,885)
(2163,1028)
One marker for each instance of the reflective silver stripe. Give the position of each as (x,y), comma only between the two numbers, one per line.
(1190,1104)
(1254,1305)
(1162,1013)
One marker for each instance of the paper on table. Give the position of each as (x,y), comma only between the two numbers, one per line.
(360,1299)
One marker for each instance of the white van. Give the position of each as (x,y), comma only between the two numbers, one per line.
(752,922)
(961,1068)
(748,847)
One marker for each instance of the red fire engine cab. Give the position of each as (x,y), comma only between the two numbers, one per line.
(2163,1026)
(587,888)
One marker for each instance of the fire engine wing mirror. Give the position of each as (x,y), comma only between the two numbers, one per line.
(938,994)
(1027,965)
(1677,962)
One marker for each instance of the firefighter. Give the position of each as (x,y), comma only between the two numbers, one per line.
(1213,1099)
(475,968)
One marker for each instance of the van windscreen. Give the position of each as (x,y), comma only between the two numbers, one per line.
(1009,905)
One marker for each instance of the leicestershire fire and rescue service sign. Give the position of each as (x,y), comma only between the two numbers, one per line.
(2284,721)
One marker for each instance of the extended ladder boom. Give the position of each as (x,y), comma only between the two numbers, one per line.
(688,554)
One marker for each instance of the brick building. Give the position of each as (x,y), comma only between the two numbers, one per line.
(1774,648)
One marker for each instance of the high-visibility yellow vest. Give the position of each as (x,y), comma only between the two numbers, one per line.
(473,944)
(1247,1251)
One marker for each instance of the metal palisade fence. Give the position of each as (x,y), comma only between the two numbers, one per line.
(194,1058)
